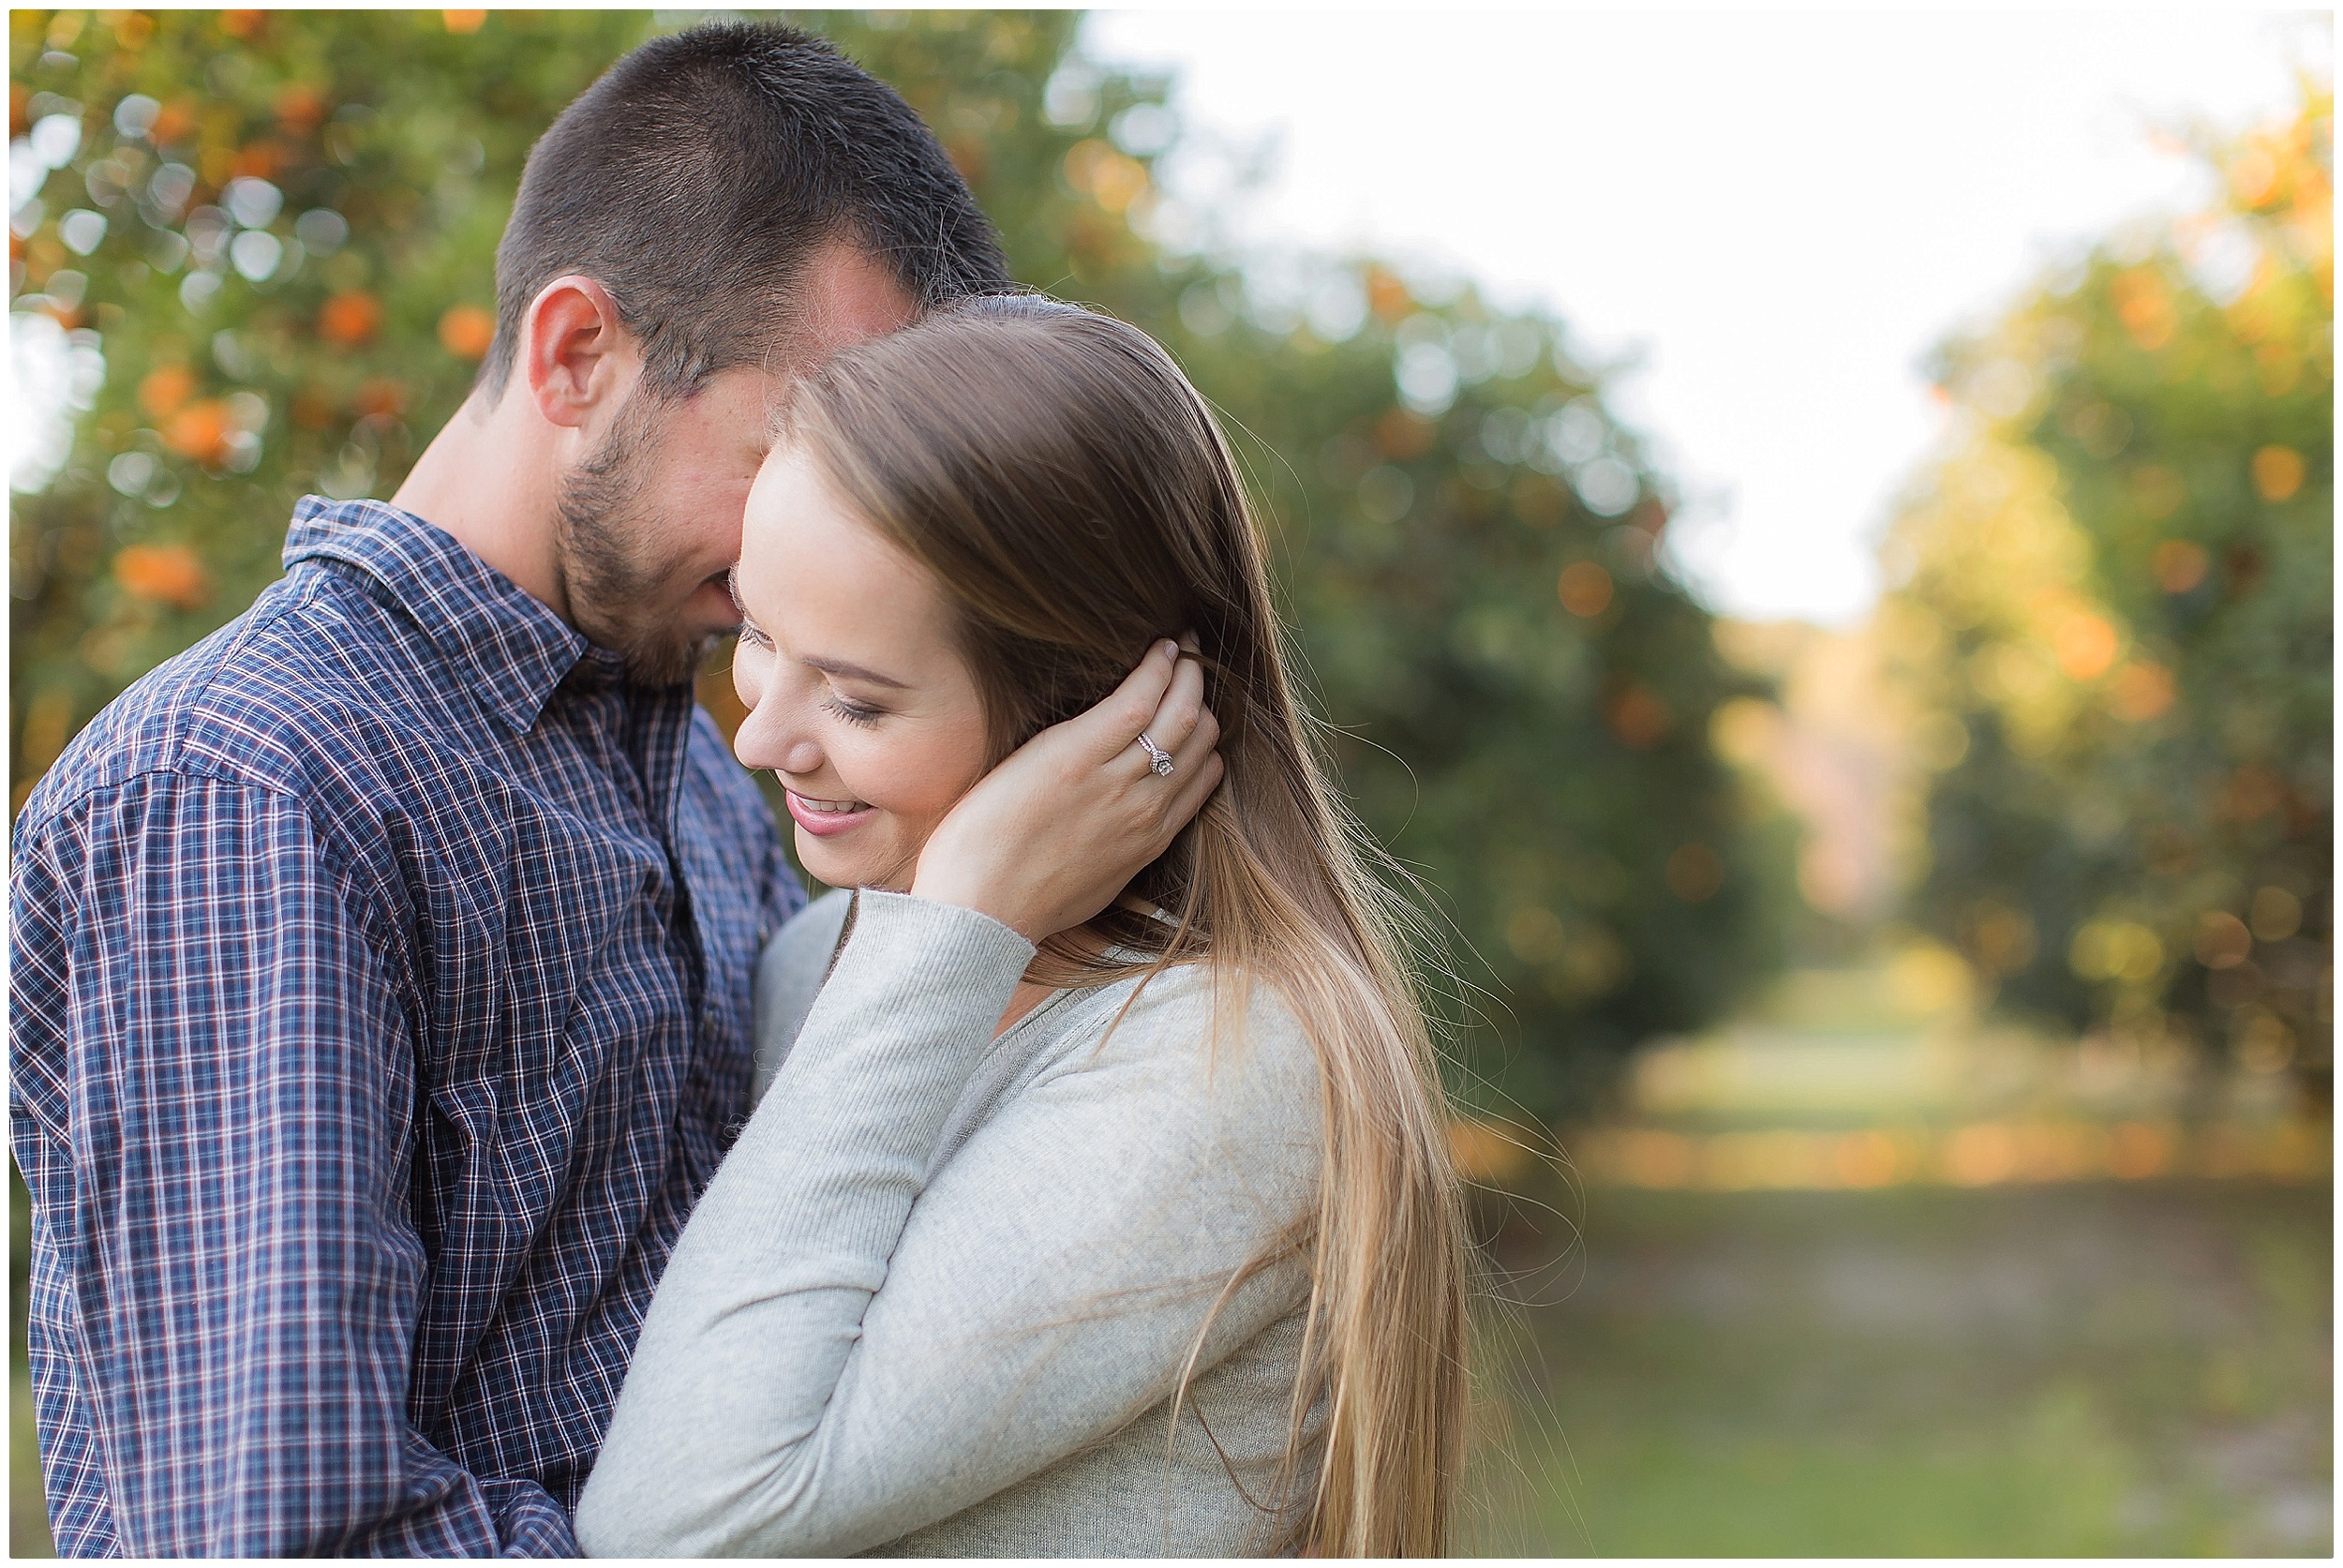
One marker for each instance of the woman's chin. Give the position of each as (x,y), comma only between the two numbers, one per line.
(829,863)
(836,864)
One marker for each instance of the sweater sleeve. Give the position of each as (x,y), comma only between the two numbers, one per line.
(828,1365)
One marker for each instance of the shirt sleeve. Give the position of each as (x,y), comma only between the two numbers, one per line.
(219,1082)
(826,1366)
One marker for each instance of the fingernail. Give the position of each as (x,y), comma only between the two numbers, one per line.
(1171,650)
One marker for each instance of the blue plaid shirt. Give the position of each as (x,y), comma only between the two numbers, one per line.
(381,999)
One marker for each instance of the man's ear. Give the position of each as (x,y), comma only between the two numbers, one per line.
(576,353)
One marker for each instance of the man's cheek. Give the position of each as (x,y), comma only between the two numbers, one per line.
(718,506)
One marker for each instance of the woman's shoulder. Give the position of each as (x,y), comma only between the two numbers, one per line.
(797,958)
(816,925)
(790,974)
(1235,1041)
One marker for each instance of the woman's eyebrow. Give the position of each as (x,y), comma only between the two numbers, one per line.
(855,672)
(827,667)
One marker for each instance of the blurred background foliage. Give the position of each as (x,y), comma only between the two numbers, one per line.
(266,239)
(1913,940)
(2117,616)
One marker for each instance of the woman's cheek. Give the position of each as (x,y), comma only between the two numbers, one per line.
(921,783)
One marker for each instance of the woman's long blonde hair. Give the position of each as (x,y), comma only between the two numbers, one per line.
(1075,498)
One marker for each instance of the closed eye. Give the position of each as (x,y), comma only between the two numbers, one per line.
(749,633)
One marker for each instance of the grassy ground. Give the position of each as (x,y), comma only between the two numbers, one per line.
(28,1515)
(28,1518)
(2082,1370)
(2078,1371)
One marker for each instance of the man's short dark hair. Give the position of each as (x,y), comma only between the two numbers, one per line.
(697,179)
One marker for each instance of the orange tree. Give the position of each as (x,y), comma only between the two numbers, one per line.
(276,229)
(2118,601)
(274,226)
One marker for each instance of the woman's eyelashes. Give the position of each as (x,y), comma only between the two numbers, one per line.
(854,712)
(754,638)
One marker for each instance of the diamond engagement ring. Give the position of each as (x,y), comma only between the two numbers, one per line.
(1158,758)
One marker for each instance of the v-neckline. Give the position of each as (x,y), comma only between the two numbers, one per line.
(1047,1002)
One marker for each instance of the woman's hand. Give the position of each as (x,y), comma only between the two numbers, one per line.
(1048,838)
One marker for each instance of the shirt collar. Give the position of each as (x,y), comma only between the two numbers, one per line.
(512,644)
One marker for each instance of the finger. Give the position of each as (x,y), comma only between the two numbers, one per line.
(1118,720)
(1195,771)
(1193,786)
(1138,769)
(1174,718)
(1202,736)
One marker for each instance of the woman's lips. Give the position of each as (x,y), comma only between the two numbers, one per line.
(824,817)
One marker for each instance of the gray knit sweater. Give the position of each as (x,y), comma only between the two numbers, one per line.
(937,1298)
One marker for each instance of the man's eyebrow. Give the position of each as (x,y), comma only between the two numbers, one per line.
(855,672)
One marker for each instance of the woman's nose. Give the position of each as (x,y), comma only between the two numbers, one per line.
(771,737)
(800,757)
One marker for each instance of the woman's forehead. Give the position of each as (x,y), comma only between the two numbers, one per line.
(814,572)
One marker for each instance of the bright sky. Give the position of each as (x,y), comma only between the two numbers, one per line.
(1782,213)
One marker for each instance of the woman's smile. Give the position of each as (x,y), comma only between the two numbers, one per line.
(823,819)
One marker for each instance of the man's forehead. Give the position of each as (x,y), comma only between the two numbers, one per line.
(843,298)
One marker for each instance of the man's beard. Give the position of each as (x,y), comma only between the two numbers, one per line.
(615,588)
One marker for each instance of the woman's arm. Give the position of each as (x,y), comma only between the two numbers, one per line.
(825,1369)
